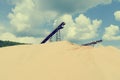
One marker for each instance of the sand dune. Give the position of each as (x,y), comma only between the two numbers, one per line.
(59,61)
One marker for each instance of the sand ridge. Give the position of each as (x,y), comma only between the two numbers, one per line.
(59,61)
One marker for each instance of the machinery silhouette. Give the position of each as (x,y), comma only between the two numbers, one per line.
(92,43)
(58,37)
(54,32)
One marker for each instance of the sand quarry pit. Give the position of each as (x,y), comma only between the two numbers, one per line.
(59,61)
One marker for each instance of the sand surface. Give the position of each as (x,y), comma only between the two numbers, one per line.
(59,61)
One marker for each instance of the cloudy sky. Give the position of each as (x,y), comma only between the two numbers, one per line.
(30,21)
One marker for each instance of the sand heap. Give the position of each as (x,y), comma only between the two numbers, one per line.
(59,61)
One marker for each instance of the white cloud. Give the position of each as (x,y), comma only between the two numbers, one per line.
(111,33)
(30,13)
(117,15)
(81,28)
(26,14)
(20,17)
(12,37)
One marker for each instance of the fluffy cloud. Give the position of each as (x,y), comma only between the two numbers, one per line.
(29,13)
(12,37)
(26,14)
(111,33)
(5,35)
(117,15)
(81,27)
(29,17)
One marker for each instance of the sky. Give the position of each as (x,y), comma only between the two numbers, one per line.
(30,21)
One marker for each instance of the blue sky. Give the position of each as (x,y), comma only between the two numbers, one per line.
(106,14)
(30,21)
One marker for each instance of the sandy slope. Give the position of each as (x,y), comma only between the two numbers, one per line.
(59,61)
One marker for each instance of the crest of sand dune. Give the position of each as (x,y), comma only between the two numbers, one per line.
(59,61)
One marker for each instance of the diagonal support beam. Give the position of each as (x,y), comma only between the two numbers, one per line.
(53,32)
